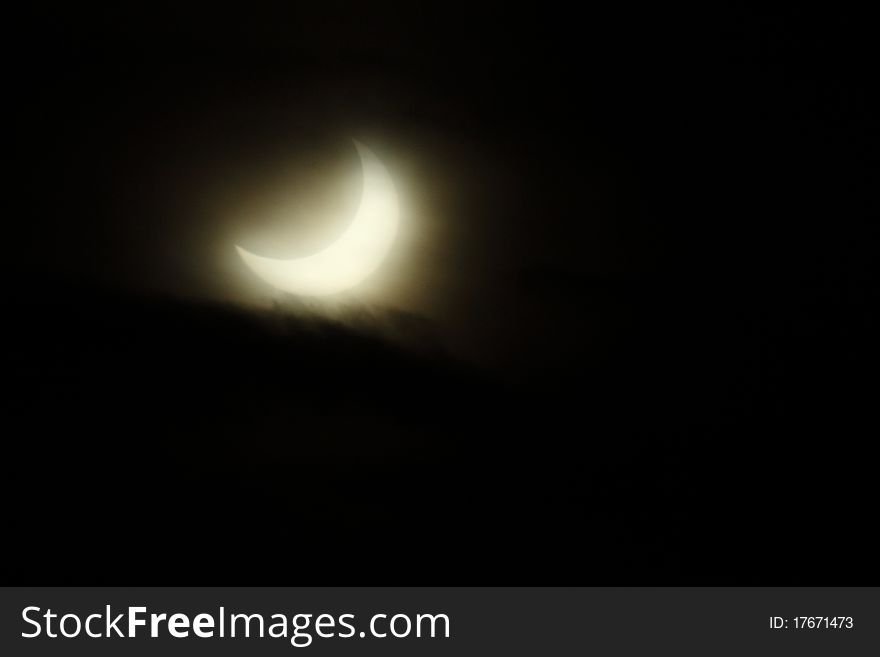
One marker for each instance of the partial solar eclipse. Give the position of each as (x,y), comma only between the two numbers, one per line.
(351,258)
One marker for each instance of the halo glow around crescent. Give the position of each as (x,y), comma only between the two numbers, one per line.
(351,258)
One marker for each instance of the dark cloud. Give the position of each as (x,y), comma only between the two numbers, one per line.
(251,438)
(277,433)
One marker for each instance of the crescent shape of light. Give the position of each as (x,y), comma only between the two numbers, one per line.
(351,258)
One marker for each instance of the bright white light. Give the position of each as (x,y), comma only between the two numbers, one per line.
(351,258)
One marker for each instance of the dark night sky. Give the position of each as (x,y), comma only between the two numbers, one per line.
(630,340)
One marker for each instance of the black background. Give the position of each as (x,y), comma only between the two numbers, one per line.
(714,427)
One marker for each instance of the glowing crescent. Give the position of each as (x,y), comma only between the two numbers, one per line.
(351,258)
